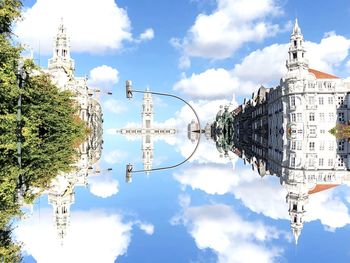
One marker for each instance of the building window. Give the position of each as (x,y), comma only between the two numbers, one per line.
(312,130)
(292,101)
(299,145)
(322,116)
(320,162)
(311,161)
(293,145)
(341,117)
(330,146)
(320,100)
(341,145)
(340,101)
(311,146)
(340,161)
(293,117)
(331,116)
(330,100)
(312,100)
(299,117)
(330,162)
(292,161)
(311,116)
(322,131)
(321,145)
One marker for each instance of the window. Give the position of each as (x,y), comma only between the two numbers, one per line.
(322,116)
(294,55)
(320,100)
(321,145)
(330,100)
(312,130)
(330,146)
(322,131)
(293,145)
(331,116)
(293,117)
(299,145)
(311,116)
(299,117)
(340,100)
(330,162)
(312,100)
(311,146)
(311,161)
(292,161)
(340,161)
(320,162)
(292,101)
(341,117)
(341,145)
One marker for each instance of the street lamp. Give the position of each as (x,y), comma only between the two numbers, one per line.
(129,167)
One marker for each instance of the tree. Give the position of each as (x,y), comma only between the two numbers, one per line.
(50,130)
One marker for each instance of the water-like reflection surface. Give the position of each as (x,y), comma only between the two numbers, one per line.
(214,208)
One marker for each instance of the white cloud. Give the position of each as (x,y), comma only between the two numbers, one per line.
(94,26)
(348,65)
(253,71)
(103,185)
(92,236)
(103,77)
(148,34)
(233,23)
(115,106)
(146,227)
(233,239)
(212,83)
(115,156)
(263,196)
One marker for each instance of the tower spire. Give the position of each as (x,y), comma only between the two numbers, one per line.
(296,59)
(61,51)
(296,28)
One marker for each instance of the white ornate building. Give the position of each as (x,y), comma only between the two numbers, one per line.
(147,131)
(61,195)
(286,131)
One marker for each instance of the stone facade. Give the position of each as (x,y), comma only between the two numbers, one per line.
(284,131)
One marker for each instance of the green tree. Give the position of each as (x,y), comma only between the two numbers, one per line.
(50,130)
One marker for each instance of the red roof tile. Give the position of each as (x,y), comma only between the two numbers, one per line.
(322,75)
(322,187)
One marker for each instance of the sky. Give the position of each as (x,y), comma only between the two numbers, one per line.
(211,53)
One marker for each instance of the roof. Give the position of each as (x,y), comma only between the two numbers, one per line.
(321,187)
(322,75)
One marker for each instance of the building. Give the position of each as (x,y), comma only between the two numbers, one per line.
(285,131)
(147,131)
(61,68)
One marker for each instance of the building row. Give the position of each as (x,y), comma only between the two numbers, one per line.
(288,131)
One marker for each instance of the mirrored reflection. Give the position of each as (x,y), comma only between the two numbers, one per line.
(148,131)
(297,131)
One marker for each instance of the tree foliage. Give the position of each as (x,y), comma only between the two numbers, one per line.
(49,130)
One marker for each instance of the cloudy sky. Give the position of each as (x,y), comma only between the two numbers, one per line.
(211,53)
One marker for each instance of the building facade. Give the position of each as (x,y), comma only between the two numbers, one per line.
(61,68)
(286,131)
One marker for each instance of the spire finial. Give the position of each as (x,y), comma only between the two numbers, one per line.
(296,28)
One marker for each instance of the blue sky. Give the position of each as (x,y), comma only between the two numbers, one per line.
(211,53)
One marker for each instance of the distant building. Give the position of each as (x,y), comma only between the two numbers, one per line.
(147,131)
(285,131)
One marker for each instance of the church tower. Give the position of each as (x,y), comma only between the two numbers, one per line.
(296,52)
(61,203)
(61,52)
(147,111)
(296,203)
(147,123)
